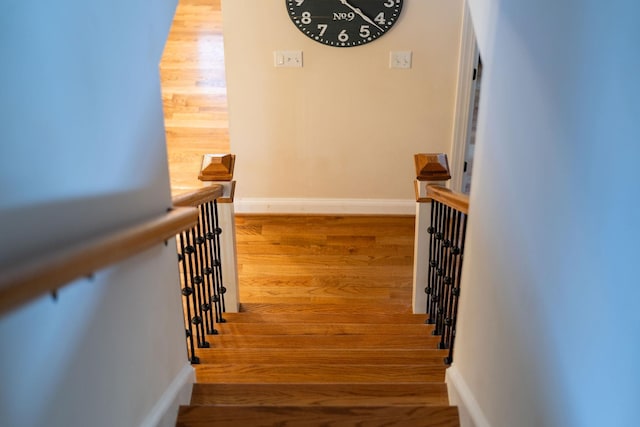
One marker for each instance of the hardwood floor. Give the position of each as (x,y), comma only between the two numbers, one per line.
(194,91)
(351,260)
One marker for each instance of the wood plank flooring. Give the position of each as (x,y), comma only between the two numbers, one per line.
(194,92)
(325,260)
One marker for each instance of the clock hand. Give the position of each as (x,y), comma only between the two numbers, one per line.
(362,15)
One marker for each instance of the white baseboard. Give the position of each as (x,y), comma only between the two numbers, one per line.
(165,411)
(326,206)
(460,395)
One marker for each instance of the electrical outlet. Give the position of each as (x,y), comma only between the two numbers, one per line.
(400,59)
(288,58)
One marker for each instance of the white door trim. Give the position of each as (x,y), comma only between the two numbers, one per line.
(464,99)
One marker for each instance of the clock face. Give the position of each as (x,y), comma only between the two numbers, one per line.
(344,23)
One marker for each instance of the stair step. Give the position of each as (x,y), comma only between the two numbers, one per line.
(354,308)
(318,373)
(328,356)
(416,342)
(234,328)
(383,394)
(370,317)
(233,416)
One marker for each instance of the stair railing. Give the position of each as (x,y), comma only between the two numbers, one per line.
(199,262)
(439,250)
(207,254)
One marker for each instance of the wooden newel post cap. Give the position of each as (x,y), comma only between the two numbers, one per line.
(432,167)
(217,167)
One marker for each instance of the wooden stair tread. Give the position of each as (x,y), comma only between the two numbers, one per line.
(235,328)
(382,394)
(305,416)
(371,317)
(285,355)
(318,373)
(354,308)
(419,342)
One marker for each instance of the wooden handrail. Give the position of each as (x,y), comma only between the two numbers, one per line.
(450,198)
(198,197)
(40,275)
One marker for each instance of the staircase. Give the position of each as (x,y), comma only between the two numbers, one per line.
(342,361)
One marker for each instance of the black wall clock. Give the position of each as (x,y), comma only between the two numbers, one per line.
(344,23)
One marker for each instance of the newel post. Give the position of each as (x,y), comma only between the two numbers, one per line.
(430,169)
(217,169)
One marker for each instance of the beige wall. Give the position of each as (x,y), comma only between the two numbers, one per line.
(345,126)
(82,152)
(548,321)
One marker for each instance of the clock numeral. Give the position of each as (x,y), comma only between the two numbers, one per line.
(343,36)
(299,2)
(389,3)
(380,19)
(364,31)
(306,18)
(323,29)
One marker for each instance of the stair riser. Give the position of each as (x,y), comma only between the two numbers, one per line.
(320,394)
(318,374)
(203,416)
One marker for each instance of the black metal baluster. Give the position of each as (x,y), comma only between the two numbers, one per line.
(197,296)
(433,278)
(215,263)
(186,292)
(444,256)
(218,253)
(456,291)
(450,280)
(211,262)
(431,260)
(206,280)
(438,275)
(437,258)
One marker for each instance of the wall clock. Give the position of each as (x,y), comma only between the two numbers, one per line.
(344,23)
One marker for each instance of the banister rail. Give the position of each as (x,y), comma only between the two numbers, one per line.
(198,197)
(453,199)
(47,273)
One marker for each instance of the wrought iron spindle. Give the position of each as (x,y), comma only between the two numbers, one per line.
(211,263)
(187,291)
(432,264)
(434,261)
(446,260)
(217,231)
(456,289)
(442,268)
(197,294)
(454,252)
(205,280)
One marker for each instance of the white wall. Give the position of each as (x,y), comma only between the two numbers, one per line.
(345,126)
(548,329)
(83,151)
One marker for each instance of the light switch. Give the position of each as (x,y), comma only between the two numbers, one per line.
(288,58)
(400,59)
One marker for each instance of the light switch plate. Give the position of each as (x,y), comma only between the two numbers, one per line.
(400,59)
(288,58)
